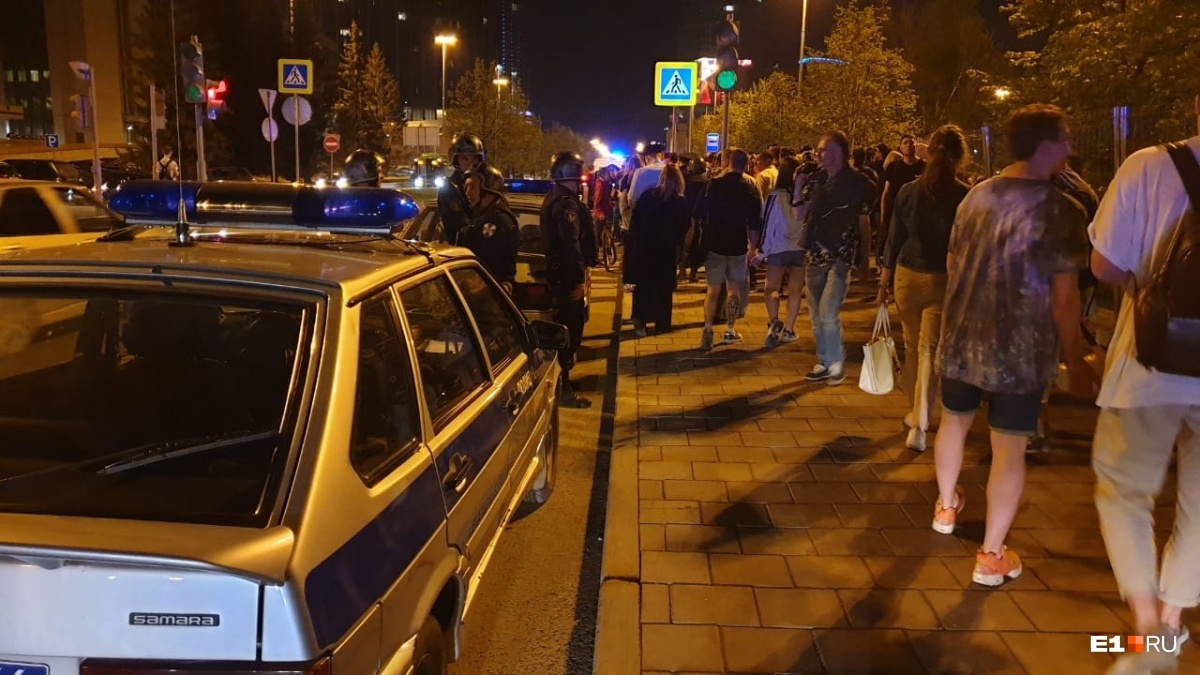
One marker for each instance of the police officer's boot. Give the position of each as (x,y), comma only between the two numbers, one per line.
(567,396)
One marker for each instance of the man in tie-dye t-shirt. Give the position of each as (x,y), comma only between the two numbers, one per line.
(1011,308)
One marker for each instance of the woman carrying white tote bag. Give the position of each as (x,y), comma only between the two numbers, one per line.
(880,364)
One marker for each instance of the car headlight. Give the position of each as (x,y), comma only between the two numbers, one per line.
(343,183)
(419,181)
(439,182)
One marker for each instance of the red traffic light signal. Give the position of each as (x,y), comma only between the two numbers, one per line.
(216,93)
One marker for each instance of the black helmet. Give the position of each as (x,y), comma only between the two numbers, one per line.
(466,144)
(490,177)
(566,166)
(363,167)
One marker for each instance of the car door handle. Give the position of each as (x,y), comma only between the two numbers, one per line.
(514,405)
(458,474)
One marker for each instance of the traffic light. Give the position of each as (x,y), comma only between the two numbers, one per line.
(216,97)
(726,77)
(192,55)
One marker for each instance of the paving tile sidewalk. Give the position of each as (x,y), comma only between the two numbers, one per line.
(783,526)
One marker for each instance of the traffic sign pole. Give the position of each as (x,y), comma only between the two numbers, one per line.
(296,112)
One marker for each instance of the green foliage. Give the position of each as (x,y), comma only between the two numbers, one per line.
(349,112)
(558,138)
(512,138)
(1105,53)
(767,114)
(380,97)
(869,96)
(957,65)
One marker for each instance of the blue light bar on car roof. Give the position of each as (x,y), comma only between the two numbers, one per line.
(266,206)
(154,200)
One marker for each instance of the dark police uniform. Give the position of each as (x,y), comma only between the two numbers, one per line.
(492,236)
(452,205)
(570,251)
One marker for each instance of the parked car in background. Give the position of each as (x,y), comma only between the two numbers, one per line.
(47,169)
(41,213)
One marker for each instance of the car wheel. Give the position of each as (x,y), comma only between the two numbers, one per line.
(543,485)
(429,656)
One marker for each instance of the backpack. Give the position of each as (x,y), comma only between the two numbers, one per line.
(1167,309)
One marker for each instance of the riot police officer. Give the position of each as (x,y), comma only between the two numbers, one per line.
(491,233)
(570,251)
(364,168)
(466,154)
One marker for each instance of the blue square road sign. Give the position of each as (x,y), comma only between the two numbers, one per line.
(712,142)
(52,141)
(295,76)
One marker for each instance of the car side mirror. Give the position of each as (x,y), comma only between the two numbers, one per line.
(549,335)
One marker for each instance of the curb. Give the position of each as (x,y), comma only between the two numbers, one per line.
(618,621)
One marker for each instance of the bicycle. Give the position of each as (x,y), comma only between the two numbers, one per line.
(607,245)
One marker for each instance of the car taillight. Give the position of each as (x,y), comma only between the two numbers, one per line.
(535,290)
(321,666)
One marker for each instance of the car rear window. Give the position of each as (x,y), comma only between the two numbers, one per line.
(89,214)
(165,408)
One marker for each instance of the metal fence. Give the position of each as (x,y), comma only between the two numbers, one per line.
(1102,138)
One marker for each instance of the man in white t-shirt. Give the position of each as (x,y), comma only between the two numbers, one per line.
(1144,413)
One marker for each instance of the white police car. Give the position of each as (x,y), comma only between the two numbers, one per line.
(283,442)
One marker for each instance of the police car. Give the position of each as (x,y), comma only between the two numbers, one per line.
(281,442)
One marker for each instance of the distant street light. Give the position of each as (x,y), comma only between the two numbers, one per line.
(1002,93)
(446,40)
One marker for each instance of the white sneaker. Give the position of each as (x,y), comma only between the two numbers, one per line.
(916,440)
(837,373)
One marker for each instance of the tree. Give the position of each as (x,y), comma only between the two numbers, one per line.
(865,89)
(765,114)
(349,112)
(1105,53)
(380,97)
(511,136)
(559,138)
(955,60)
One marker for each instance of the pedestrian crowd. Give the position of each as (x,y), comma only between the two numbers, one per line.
(991,278)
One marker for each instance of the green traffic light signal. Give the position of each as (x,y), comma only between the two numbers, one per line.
(726,80)
(194,94)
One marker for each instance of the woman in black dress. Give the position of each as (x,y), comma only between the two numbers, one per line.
(660,220)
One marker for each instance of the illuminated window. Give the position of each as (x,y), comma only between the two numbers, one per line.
(45,75)
(402,16)
(20,76)
(33,76)
(8,75)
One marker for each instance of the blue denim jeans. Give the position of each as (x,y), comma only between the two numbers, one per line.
(826,290)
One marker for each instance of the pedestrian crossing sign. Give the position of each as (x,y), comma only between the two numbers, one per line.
(675,83)
(295,76)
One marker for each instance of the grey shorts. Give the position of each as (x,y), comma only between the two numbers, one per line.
(786,259)
(719,269)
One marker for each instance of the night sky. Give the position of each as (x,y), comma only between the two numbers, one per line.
(591,62)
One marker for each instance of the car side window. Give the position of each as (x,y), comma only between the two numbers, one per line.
(89,215)
(386,420)
(500,328)
(22,213)
(448,355)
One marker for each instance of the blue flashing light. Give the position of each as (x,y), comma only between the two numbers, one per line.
(154,200)
(358,208)
(531,186)
(267,205)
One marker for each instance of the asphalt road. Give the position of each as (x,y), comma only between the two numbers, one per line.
(536,609)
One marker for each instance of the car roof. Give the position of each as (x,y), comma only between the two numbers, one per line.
(333,262)
(26,182)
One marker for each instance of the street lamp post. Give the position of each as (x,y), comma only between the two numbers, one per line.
(446,40)
(500,82)
(803,38)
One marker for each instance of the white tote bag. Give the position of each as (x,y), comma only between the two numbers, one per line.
(879,358)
